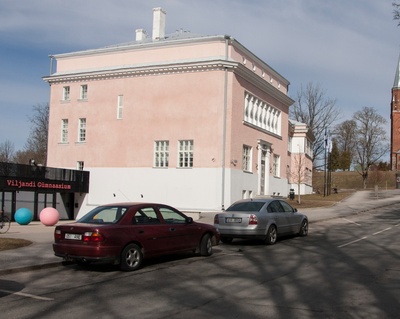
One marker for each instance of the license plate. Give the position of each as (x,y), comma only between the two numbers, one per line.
(73,236)
(233,220)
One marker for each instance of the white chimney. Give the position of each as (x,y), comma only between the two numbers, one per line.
(140,34)
(158,23)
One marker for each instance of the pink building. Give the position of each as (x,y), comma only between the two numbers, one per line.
(196,122)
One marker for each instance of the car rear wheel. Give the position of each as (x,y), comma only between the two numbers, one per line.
(131,258)
(272,235)
(206,248)
(226,240)
(303,228)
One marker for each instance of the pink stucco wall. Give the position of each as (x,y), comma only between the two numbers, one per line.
(106,58)
(164,107)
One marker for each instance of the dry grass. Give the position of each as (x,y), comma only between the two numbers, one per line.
(318,200)
(13,243)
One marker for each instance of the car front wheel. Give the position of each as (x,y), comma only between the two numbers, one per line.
(303,228)
(131,258)
(272,235)
(206,248)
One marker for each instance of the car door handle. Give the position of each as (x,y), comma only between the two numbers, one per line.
(172,229)
(140,231)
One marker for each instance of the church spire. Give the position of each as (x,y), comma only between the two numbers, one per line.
(396,83)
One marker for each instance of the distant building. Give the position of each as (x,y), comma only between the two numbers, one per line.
(395,122)
(300,148)
(193,121)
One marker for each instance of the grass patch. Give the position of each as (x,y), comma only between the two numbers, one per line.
(319,200)
(13,243)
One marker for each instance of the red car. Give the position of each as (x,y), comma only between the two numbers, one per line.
(127,233)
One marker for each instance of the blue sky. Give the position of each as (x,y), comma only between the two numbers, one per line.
(349,47)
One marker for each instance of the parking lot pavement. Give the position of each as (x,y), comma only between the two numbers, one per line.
(40,253)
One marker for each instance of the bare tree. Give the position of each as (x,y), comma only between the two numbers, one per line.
(7,151)
(300,173)
(396,12)
(345,136)
(371,142)
(25,156)
(36,145)
(313,108)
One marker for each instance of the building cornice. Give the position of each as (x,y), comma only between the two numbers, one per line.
(263,85)
(132,71)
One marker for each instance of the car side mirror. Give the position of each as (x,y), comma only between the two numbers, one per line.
(295,210)
(189,220)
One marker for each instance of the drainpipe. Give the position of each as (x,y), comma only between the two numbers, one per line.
(227,38)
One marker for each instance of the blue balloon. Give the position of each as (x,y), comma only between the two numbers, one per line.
(23,216)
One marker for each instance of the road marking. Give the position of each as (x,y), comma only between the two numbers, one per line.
(352,242)
(350,221)
(365,237)
(26,295)
(381,231)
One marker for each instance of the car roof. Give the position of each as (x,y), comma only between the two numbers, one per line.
(257,200)
(130,204)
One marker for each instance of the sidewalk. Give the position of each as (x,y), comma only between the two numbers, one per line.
(40,253)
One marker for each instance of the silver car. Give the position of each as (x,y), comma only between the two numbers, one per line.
(263,218)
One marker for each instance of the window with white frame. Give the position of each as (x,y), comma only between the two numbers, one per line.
(261,114)
(83,93)
(82,130)
(120,106)
(79,165)
(276,165)
(66,93)
(246,161)
(185,153)
(64,131)
(161,153)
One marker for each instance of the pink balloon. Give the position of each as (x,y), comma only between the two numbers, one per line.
(49,216)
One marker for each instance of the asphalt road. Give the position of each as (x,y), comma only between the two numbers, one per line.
(347,267)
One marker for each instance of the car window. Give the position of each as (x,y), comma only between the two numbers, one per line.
(245,207)
(104,214)
(275,207)
(172,217)
(146,215)
(286,207)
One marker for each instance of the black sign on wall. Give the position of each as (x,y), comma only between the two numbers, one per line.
(19,177)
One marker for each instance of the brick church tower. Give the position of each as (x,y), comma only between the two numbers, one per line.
(395,122)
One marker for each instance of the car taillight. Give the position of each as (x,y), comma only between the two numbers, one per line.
(92,237)
(253,220)
(57,234)
(216,219)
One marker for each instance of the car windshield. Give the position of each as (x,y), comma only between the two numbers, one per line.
(104,215)
(246,207)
